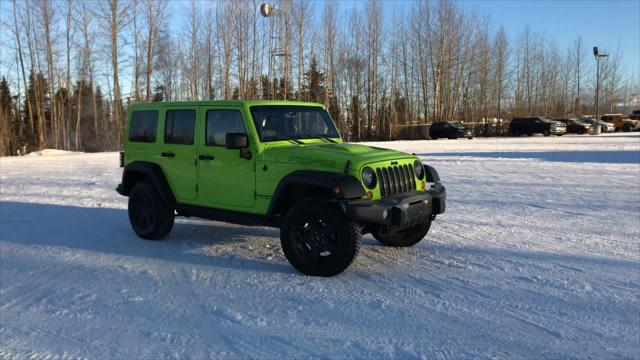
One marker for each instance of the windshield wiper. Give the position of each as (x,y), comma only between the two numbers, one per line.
(322,137)
(278,138)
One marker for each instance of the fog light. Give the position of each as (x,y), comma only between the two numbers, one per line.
(369,195)
(385,215)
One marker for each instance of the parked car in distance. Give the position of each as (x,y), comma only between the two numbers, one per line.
(621,122)
(536,125)
(635,115)
(449,130)
(576,126)
(605,127)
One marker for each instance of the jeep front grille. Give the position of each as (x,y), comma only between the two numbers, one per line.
(396,179)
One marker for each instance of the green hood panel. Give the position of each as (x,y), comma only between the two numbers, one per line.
(327,155)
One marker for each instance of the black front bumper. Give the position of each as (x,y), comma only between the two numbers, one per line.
(399,211)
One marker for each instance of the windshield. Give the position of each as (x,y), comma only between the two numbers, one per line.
(458,125)
(292,122)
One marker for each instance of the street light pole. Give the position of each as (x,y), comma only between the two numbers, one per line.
(596,129)
(269,10)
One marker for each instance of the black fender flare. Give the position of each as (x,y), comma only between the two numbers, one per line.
(139,170)
(338,186)
(431,175)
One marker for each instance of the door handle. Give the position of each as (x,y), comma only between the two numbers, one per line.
(205,157)
(168,155)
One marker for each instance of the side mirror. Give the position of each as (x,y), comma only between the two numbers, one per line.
(236,141)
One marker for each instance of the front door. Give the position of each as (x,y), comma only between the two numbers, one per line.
(225,179)
(178,151)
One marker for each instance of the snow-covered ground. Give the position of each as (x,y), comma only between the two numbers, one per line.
(538,255)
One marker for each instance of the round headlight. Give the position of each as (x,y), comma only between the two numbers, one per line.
(369,177)
(419,169)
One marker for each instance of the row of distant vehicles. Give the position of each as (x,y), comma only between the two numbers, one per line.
(584,125)
(545,126)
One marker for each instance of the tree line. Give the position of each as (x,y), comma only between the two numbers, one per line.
(71,67)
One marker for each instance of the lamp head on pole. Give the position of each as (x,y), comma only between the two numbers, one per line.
(266,9)
(597,54)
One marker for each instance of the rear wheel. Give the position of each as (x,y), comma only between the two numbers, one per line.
(404,238)
(318,239)
(626,127)
(150,218)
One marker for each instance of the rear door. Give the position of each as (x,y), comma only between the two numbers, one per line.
(225,179)
(436,129)
(178,151)
(538,126)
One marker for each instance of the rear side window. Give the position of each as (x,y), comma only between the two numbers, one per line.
(180,127)
(143,126)
(220,123)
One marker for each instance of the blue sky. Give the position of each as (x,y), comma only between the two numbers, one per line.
(602,23)
(606,24)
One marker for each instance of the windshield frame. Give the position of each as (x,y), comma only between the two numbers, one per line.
(332,130)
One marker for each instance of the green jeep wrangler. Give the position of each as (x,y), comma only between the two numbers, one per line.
(273,163)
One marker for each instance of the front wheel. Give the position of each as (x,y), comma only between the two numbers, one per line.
(626,127)
(546,133)
(404,238)
(318,239)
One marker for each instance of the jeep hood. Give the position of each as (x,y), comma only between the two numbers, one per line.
(331,155)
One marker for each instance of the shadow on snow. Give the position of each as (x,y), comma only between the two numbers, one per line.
(108,231)
(610,157)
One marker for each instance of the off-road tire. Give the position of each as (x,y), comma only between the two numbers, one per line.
(319,217)
(150,218)
(404,238)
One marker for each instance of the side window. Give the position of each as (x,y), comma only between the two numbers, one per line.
(143,126)
(220,123)
(180,127)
